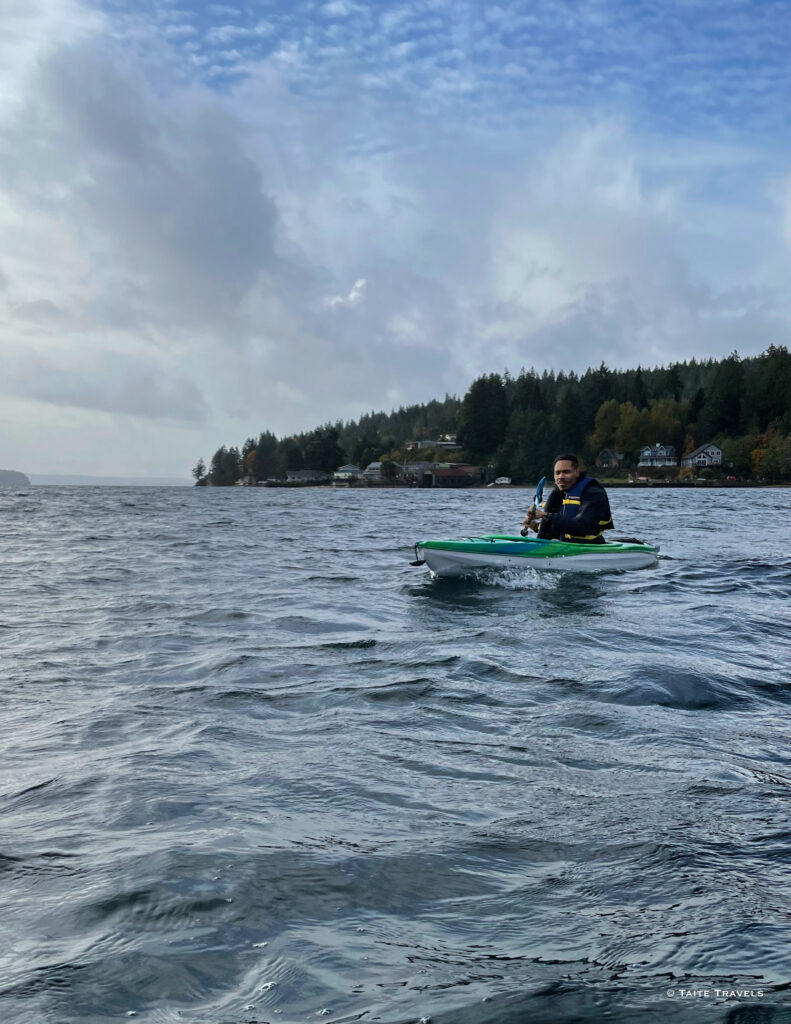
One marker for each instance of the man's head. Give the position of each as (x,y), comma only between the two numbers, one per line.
(567,471)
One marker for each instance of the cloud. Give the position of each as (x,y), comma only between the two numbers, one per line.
(131,383)
(221,35)
(176,31)
(158,205)
(354,296)
(292,247)
(338,9)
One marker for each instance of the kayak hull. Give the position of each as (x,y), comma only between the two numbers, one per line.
(497,551)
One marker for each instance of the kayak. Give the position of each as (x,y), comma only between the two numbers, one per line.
(498,551)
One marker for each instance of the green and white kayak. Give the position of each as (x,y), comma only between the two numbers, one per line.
(496,551)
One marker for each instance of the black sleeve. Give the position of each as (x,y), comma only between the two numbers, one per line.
(551,505)
(594,510)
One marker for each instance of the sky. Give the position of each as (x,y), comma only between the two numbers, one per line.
(224,218)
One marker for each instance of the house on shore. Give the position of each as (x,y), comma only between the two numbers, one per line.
(442,474)
(703,456)
(418,473)
(444,441)
(458,474)
(373,471)
(345,476)
(658,456)
(608,458)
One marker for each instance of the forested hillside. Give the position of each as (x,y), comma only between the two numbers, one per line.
(515,425)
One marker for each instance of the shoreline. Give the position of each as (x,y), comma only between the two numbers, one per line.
(683,485)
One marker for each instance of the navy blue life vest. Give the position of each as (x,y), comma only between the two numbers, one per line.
(570,507)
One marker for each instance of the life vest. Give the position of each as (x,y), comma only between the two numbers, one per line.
(570,507)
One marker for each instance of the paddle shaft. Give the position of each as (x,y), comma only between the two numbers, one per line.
(536,502)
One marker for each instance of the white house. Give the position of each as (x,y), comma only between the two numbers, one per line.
(347,473)
(705,455)
(658,455)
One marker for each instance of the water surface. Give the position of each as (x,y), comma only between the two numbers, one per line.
(258,768)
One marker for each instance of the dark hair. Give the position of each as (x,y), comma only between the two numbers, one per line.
(568,457)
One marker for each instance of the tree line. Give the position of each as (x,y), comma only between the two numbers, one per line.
(514,426)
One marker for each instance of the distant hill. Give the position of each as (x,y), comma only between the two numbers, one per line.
(74,479)
(11,478)
(514,426)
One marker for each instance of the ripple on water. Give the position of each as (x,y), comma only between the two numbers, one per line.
(239,784)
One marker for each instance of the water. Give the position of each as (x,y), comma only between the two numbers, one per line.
(257,768)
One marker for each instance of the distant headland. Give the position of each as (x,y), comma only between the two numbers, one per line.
(12,478)
(81,480)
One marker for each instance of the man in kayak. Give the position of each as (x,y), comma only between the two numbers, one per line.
(578,510)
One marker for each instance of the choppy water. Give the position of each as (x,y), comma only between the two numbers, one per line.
(257,768)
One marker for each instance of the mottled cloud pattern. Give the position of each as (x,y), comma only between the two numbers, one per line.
(231,218)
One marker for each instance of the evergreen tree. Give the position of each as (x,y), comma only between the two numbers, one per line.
(292,453)
(368,448)
(484,417)
(529,393)
(247,448)
(233,465)
(694,414)
(636,392)
(768,389)
(595,387)
(672,386)
(570,423)
(322,450)
(721,413)
(268,462)
(224,470)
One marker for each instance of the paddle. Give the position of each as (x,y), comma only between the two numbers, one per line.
(536,501)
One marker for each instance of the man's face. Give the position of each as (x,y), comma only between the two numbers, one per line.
(566,474)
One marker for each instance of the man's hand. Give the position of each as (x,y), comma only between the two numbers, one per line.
(532,519)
